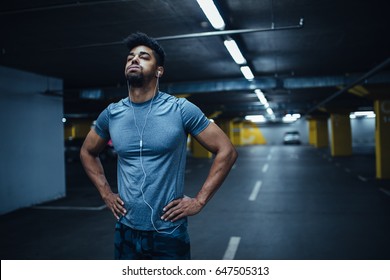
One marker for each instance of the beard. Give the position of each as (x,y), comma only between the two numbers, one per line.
(136,80)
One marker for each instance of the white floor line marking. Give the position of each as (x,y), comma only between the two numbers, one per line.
(255,191)
(234,166)
(386,192)
(265,167)
(98,208)
(269,157)
(232,248)
(361,178)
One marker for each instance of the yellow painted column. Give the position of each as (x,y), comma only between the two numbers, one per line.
(251,134)
(237,131)
(318,132)
(77,129)
(382,138)
(341,134)
(312,131)
(198,151)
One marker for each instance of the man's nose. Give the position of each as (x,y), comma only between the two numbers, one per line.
(135,60)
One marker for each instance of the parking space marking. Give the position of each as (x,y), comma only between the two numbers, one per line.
(361,178)
(232,247)
(82,208)
(385,191)
(265,168)
(255,191)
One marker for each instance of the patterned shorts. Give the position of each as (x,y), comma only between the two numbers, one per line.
(131,244)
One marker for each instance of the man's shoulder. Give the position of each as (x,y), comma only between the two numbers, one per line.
(118,106)
(171,99)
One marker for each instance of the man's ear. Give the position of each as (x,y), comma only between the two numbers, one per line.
(160,71)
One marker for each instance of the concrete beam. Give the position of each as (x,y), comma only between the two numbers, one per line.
(270,83)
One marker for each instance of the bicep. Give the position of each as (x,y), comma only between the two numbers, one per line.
(213,138)
(93,143)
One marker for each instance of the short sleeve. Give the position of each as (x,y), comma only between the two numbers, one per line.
(194,119)
(102,125)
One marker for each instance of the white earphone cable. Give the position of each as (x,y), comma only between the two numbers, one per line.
(140,134)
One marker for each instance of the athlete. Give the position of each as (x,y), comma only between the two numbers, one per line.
(149,130)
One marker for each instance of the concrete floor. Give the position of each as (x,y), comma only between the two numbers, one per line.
(279,202)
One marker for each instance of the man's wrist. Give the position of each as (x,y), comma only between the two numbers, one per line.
(201,202)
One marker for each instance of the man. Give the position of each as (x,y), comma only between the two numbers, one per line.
(149,131)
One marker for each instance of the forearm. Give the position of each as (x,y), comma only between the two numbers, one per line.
(219,170)
(94,169)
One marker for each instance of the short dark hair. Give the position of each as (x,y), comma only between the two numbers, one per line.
(141,39)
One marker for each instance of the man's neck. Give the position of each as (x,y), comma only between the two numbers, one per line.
(142,94)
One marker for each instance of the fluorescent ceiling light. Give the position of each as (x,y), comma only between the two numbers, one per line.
(258,91)
(270,111)
(261,97)
(291,118)
(212,13)
(362,114)
(234,51)
(246,71)
(256,118)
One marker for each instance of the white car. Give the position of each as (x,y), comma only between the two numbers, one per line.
(292,137)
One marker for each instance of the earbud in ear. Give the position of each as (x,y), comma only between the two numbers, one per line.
(158,73)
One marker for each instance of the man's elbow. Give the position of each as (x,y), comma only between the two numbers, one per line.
(231,154)
(83,153)
(234,154)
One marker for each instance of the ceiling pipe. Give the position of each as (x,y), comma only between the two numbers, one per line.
(351,85)
(192,35)
(60,6)
(229,32)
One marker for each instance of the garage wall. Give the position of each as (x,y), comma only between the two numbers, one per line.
(363,131)
(32,166)
(273,133)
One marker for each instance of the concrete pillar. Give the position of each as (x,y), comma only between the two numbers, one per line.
(341,144)
(382,138)
(251,134)
(77,128)
(318,132)
(237,131)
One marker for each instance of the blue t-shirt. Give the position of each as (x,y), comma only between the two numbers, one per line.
(162,124)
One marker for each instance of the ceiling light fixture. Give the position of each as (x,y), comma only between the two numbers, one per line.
(210,10)
(288,118)
(270,111)
(362,114)
(256,118)
(261,97)
(234,51)
(247,72)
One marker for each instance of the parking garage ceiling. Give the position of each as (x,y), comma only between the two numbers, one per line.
(306,56)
